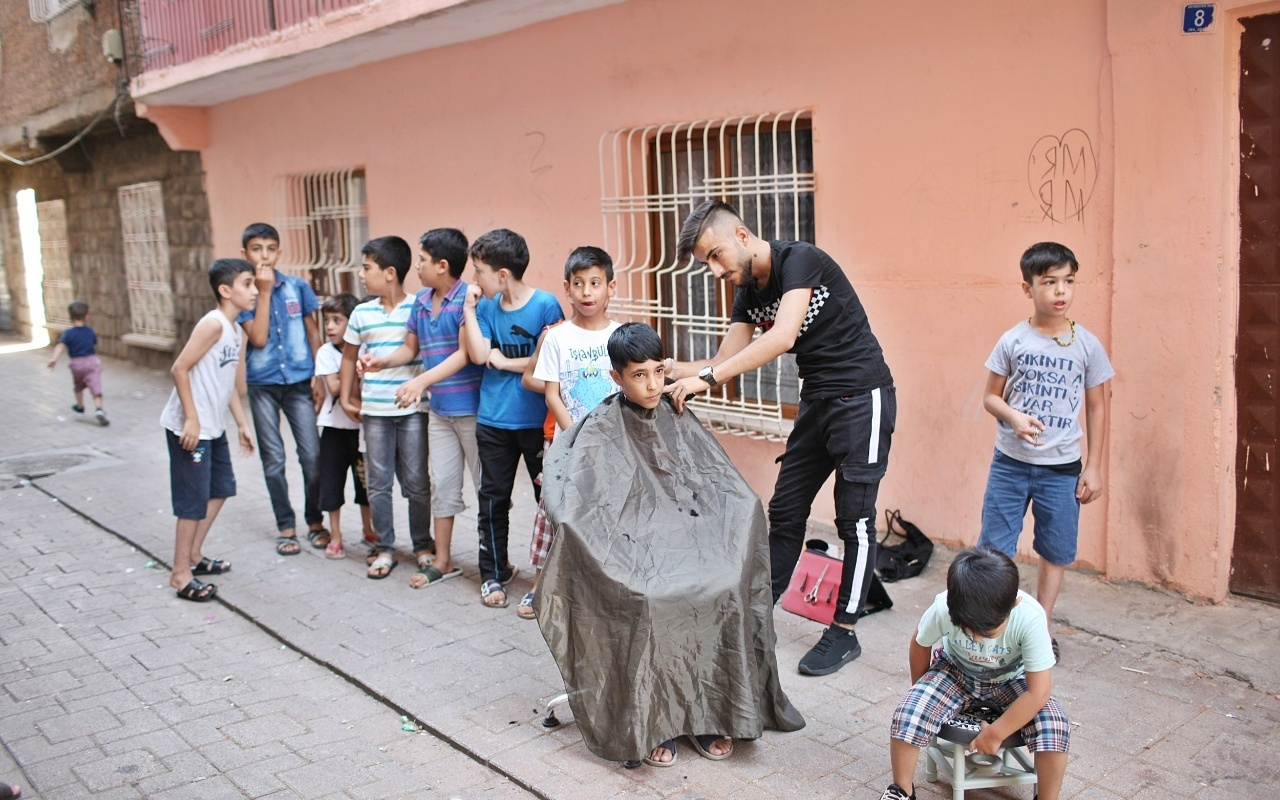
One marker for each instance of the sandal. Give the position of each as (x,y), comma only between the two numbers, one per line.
(334,550)
(490,587)
(431,575)
(425,558)
(703,745)
(211,566)
(319,538)
(198,592)
(524,609)
(670,746)
(381,566)
(287,546)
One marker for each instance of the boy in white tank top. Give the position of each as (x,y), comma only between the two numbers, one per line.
(200,474)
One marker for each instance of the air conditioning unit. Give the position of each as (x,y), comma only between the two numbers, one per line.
(46,10)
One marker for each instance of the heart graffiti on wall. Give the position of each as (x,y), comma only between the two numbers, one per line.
(1061,173)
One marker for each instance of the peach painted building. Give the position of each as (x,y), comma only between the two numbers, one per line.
(924,144)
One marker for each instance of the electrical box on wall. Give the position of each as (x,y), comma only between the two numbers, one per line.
(113,46)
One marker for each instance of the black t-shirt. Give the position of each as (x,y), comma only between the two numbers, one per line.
(836,352)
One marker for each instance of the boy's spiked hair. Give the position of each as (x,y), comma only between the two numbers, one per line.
(389,252)
(78,310)
(1044,256)
(701,218)
(224,272)
(982,586)
(446,244)
(634,343)
(586,258)
(258,230)
(502,249)
(342,304)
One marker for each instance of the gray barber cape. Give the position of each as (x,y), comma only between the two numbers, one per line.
(655,599)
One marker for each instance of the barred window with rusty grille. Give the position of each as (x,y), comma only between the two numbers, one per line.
(323,222)
(55,260)
(651,178)
(146,266)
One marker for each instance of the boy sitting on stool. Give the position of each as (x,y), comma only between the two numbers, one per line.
(995,653)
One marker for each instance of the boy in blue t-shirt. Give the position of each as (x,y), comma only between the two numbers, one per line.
(501,332)
(279,371)
(994,653)
(80,342)
(433,333)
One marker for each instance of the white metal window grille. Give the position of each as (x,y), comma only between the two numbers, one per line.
(323,222)
(55,260)
(651,178)
(146,266)
(46,10)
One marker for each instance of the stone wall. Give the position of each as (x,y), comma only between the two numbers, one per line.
(94,232)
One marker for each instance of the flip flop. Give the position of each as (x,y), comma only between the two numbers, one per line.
(433,575)
(316,535)
(334,550)
(211,566)
(284,543)
(489,587)
(703,745)
(669,745)
(524,609)
(198,592)
(384,564)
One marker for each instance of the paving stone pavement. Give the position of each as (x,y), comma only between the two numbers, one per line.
(114,688)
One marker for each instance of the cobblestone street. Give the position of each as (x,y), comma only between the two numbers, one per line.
(293,683)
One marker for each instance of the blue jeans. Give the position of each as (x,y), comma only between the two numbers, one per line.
(397,447)
(1011,487)
(294,399)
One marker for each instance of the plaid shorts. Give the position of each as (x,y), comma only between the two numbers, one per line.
(540,544)
(945,691)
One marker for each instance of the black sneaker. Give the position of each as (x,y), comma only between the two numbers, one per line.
(894,792)
(837,647)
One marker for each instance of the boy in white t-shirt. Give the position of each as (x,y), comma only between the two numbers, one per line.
(573,367)
(996,654)
(340,446)
(200,473)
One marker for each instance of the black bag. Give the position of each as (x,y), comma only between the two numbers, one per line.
(906,560)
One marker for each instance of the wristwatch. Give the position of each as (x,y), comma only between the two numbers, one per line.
(708,375)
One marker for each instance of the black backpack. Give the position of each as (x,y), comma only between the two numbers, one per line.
(906,560)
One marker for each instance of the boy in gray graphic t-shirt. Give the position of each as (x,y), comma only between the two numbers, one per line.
(1041,371)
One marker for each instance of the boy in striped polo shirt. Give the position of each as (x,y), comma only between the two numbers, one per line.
(433,331)
(395,437)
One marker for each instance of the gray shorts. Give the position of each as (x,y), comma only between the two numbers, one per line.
(451,449)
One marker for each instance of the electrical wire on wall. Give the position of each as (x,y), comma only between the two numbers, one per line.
(121,89)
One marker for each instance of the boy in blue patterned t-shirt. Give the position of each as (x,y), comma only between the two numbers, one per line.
(433,332)
(501,332)
(395,437)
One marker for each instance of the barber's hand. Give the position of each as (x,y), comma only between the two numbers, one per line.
(669,368)
(683,389)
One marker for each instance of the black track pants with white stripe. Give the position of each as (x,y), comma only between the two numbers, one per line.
(850,436)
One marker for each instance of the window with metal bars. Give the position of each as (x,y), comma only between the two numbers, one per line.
(47,10)
(55,260)
(146,266)
(323,222)
(651,178)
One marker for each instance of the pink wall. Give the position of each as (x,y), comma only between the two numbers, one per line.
(925,114)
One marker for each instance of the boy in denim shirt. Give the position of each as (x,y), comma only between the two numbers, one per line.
(279,369)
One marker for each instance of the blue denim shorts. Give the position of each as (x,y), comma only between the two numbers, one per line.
(196,476)
(1011,487)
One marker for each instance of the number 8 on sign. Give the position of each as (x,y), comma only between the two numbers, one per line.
(1197,17)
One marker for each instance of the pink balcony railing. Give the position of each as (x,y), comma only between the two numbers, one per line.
(172,32)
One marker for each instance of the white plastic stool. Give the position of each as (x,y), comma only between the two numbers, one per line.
(946,755)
